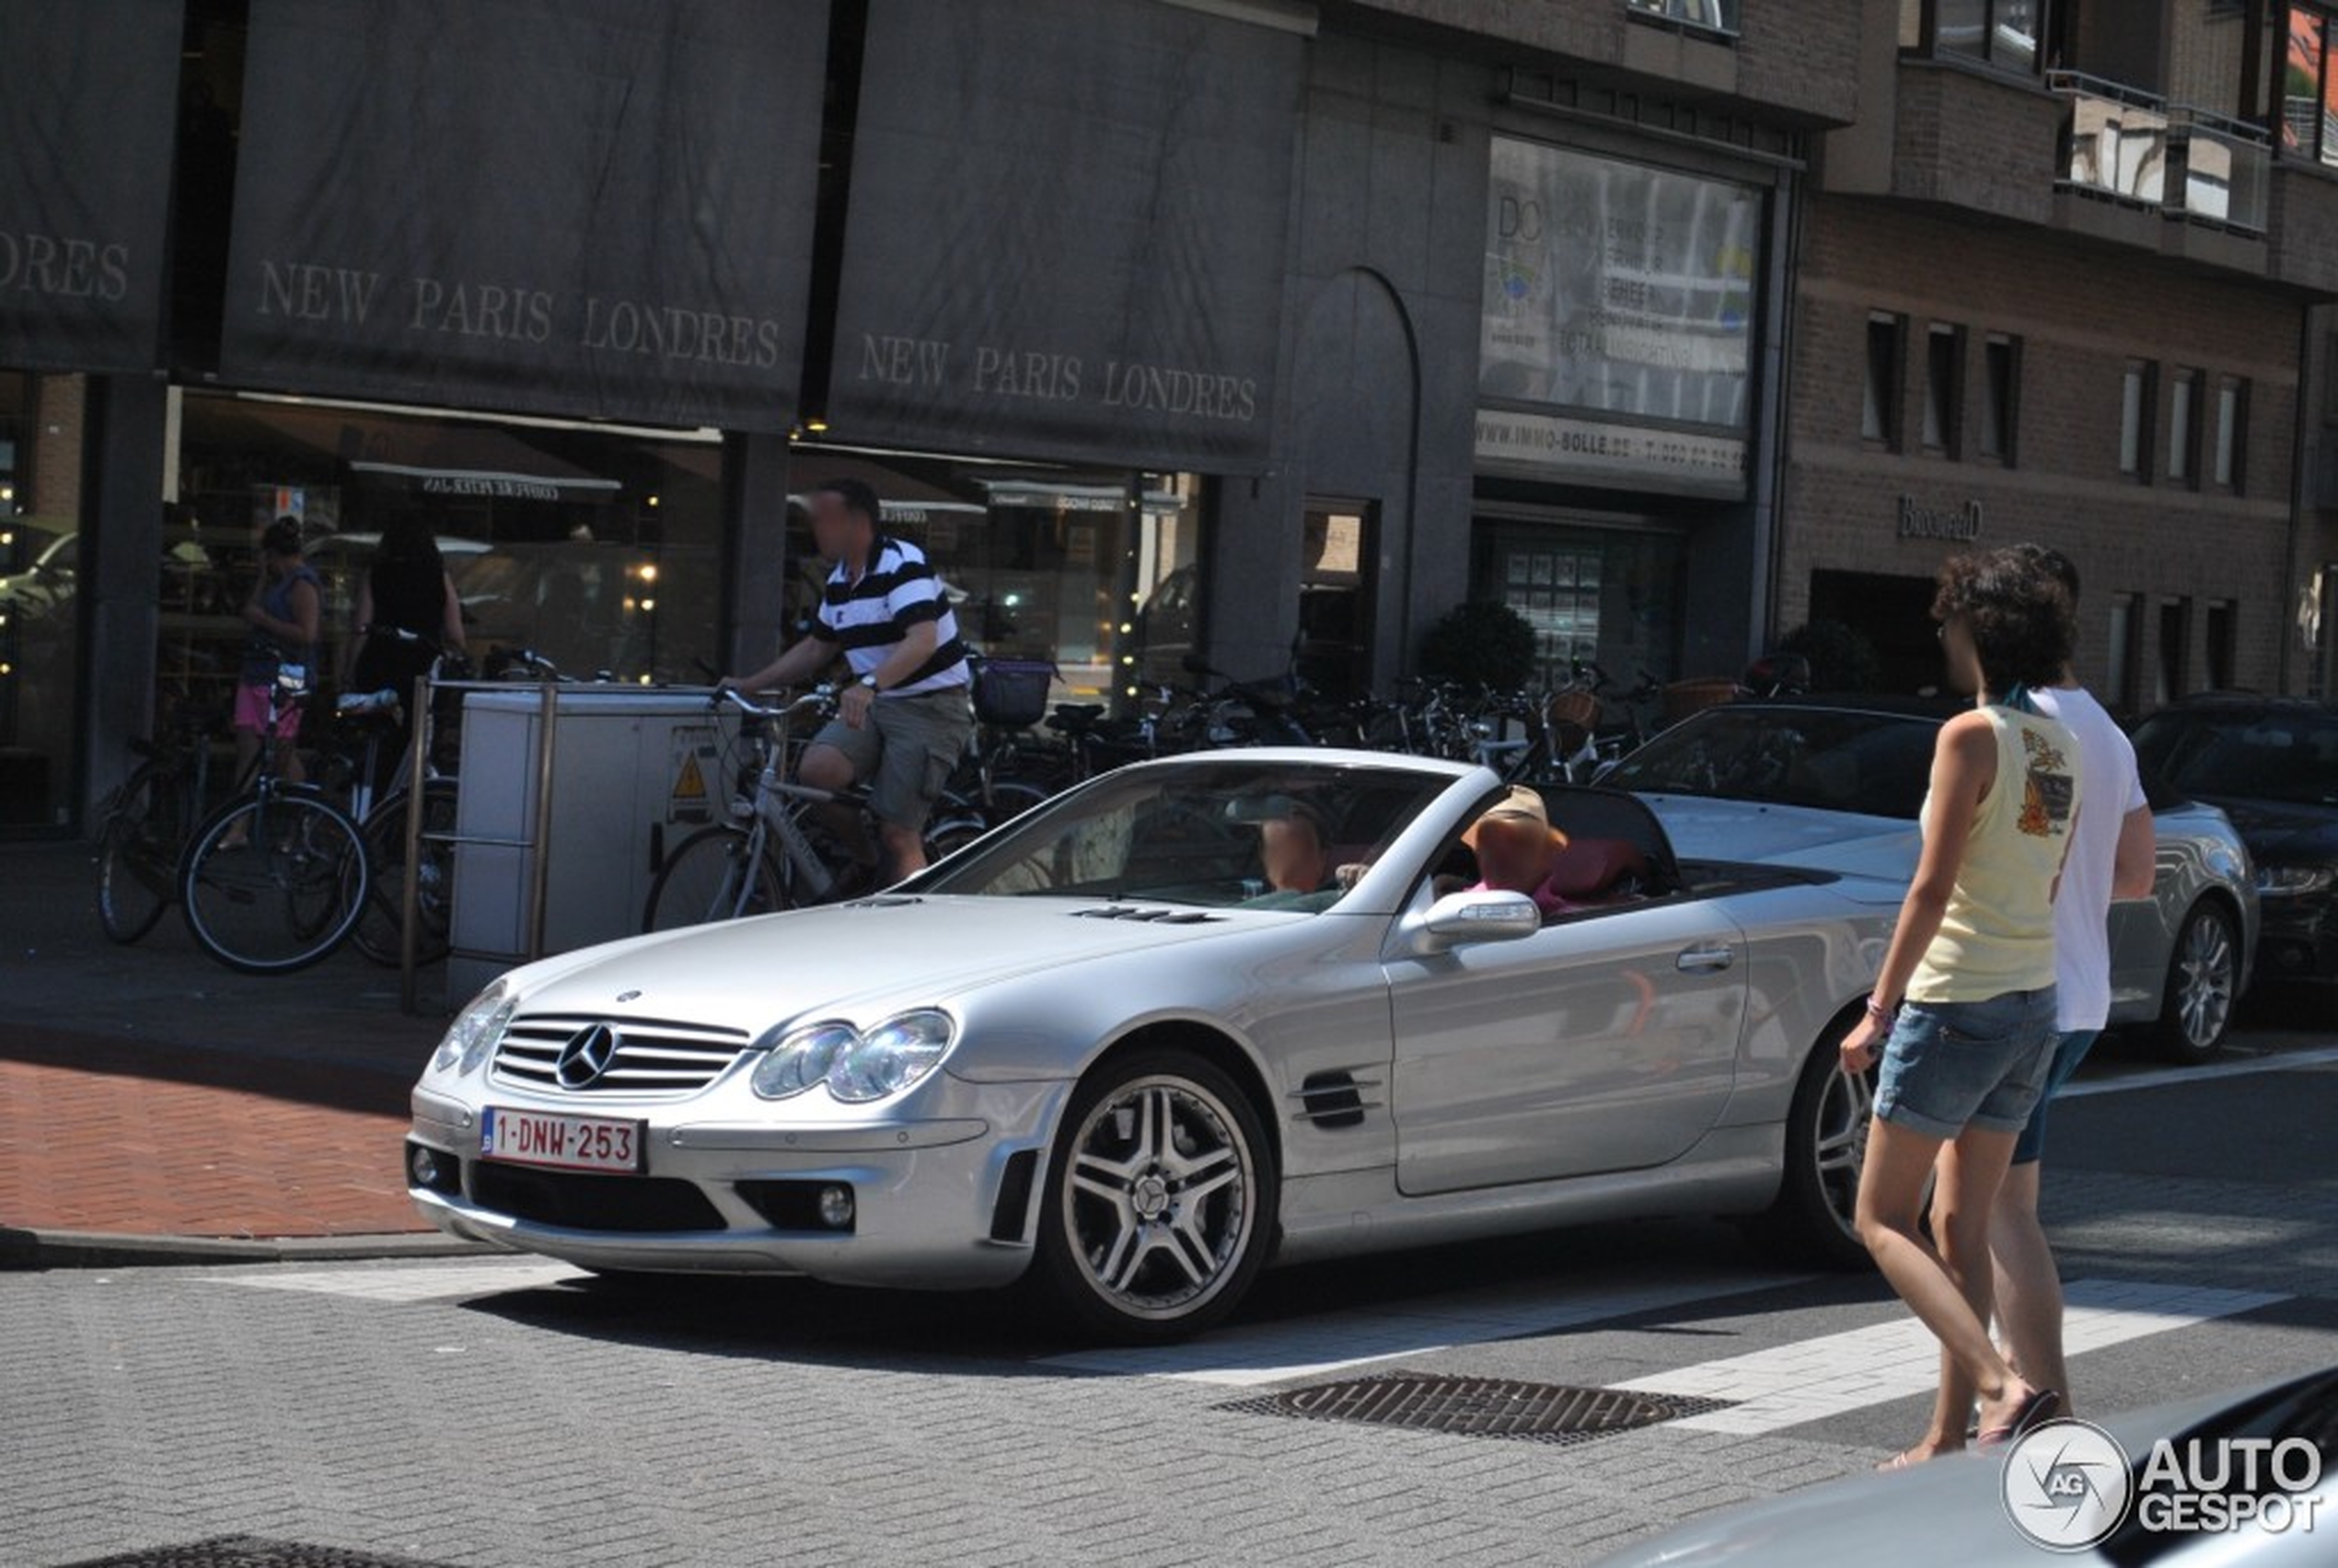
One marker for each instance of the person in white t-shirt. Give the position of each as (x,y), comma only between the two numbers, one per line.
(2112,856)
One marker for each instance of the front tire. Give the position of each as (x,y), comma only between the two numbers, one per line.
(1160,1200)
(1814,1219)
(2204,974)
(279,892)
(138,855)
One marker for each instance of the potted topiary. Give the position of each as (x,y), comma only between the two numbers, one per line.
(1482,642)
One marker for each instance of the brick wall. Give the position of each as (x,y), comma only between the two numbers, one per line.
(56,447)
(2080,312)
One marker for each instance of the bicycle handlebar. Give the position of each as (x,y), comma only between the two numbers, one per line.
(817,696)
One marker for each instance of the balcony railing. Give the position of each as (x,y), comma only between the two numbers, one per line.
(2135,146)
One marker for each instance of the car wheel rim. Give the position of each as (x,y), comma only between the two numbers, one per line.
(2204,990)
(1159,1201)
(1838,1143)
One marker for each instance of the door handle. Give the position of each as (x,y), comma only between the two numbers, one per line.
(1700,961)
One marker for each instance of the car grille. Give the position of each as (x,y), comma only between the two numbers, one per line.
(649,1056)
(577,1202)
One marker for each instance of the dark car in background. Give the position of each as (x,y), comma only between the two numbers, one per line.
(2271,763)
(1834,785)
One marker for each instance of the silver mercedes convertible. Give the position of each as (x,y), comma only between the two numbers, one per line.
(1195,1016)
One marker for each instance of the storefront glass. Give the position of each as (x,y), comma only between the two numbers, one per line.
(39,603)
(1606,595)
(1095,571)
(595,545)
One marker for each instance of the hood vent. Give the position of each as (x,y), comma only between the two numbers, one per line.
(1336,1100)
(1149,916)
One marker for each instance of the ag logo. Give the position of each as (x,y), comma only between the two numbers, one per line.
(2065,1485)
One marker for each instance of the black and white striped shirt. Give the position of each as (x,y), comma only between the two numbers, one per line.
(868,618)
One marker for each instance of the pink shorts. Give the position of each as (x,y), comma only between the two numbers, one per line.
(252,713)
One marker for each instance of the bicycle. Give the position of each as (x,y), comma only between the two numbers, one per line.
(380,814)
(778,854)
(275,880)
(147,822)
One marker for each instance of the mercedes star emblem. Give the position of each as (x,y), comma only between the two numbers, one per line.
(586,1056)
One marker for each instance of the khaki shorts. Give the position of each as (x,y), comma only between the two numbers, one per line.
(906,752)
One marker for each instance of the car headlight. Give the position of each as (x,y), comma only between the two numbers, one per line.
(2288,881)
(475,1030)
(892,1056)
(802,1058)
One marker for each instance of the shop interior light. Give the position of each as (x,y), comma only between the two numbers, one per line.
(648,571)
(816,426)
(648,605)
(653,500)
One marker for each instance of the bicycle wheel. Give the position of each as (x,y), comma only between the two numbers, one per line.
(377,934)
(273,883)
(712,875)
(138,854)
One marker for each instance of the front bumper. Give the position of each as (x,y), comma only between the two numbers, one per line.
(2298,936)
(938,1203)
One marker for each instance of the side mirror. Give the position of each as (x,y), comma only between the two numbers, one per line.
(1461,920)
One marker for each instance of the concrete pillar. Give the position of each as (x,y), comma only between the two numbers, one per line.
(120,565)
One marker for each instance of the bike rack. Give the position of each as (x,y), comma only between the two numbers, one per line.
(417,762)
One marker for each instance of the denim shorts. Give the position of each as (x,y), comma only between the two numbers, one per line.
(2070,1049)
(1950,1065)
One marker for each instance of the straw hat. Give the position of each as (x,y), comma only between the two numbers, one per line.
(1521,804)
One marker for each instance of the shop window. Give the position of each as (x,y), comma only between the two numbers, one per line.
(2137,396)
(1944,390)
(597,549)
(1886,348)
(1610,596)
(2232,437)
(2004,33)
(2222,641)
(41,437)
(2000,397)
(2183,428)
(1336,591)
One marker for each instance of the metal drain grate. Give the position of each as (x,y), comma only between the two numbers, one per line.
(1478,1407)
(249,1551)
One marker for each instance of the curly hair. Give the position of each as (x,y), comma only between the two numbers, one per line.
(2018,614)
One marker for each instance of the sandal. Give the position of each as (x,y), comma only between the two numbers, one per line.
(2027,1416)
(1906,1459)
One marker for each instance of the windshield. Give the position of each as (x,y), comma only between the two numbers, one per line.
(1210,835)
(2285,755)
(1875,764)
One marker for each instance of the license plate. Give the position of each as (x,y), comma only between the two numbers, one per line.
(565,1143)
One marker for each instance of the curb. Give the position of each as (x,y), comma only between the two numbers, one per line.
(98,1249)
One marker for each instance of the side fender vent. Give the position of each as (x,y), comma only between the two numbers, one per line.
(1010,1214)
(1334,1100)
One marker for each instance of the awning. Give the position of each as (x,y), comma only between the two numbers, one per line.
(88,94)
(1067,232)
(588,207)
(449,460)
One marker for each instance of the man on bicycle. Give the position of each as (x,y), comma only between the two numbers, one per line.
(905,718)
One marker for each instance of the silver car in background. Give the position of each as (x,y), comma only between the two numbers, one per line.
(1835,785)
(1096,1052)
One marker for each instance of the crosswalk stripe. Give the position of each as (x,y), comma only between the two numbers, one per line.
(1790,1384)
(1249,1354)
(439,1280)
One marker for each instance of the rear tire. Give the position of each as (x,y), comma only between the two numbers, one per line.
(138,855)
(379,934)
(1814,1218)
(2203,973)
(709,876)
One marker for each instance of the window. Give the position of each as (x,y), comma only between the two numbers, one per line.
(1714,15)
(2183,428)
(2002,32)
(2175,652)
(2000,397)
(1886,339)
(2126,633)
(2232,439)
(1944,390)
(2223,644)
(2137,395)
(2309,96)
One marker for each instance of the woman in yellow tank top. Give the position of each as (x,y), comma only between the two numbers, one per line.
(1962,1015)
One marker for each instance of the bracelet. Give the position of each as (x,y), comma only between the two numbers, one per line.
(1877,1012)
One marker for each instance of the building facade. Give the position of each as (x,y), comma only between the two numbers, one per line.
(1262,331)
(2054,286)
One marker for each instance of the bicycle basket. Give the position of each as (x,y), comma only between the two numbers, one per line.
(1012,693)
(1570,716)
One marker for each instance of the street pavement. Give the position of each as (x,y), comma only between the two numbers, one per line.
(336,1388)
(155,1104)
